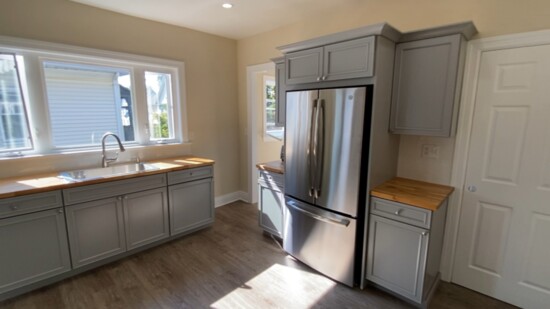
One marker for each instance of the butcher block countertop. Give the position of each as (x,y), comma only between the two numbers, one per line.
(413,192)
(273,166)
(11,187)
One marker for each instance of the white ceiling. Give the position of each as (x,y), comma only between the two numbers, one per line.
(246,18)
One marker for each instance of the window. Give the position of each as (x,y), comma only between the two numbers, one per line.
(159,103)
(75,95)
(14,129)
(86,101)
(270,109)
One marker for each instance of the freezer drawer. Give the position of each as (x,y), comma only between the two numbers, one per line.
(321,239)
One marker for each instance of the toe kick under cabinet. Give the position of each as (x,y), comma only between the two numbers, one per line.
(404,247)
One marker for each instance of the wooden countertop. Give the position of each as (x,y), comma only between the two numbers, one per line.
(413,192)
(273,166)
(11,187)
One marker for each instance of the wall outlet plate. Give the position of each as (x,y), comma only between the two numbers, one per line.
(430,151)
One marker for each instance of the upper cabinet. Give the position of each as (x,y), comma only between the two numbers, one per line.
(427,80)
(349,59)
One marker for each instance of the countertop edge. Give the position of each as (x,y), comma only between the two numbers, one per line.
(72,184)
(432,203)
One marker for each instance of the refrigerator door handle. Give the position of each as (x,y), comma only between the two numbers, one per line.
(311,156)
(295,206)
(320,147)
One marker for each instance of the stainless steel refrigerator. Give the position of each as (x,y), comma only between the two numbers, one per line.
(326,145)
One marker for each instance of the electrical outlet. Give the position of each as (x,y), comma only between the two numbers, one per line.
(430,151)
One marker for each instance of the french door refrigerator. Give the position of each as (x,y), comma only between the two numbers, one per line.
(326,145)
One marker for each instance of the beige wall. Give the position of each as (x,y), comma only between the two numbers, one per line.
(210,63)
(492,17)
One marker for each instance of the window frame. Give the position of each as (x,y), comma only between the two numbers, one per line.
(269,137)
(25,109)
(36,53)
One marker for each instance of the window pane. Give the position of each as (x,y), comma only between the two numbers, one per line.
(14,130)
(86,101)
(159,105)
(270,126)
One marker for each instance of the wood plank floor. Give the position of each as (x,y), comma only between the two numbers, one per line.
(230,265)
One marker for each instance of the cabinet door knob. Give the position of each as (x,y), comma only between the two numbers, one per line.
(126,197)
(398,212)
(60,210)
(14,207)
(119,198)
(323,77)
(319,78)
(424,233)
(472,188)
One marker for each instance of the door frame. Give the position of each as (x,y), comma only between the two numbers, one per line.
(475,50)
(252,72)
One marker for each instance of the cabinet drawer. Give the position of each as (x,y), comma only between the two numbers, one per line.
(29,203)
(401,212)
(268,179)
(113,188)
(189,174)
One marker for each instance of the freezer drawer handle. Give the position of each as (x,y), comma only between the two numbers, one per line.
(343,222)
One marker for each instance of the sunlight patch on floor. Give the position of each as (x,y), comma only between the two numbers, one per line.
(278,286)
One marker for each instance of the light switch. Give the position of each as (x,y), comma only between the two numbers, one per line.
(430,151)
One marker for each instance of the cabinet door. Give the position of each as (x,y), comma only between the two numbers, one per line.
(33,247)
(146,217)
(351,59)
(305,66)
(271,205)
(281,94)
(191,205)
(424,85)
(397,256)
(96,230)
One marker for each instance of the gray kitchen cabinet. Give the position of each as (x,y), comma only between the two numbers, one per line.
(33,247)
(96,230)
(344,60)
(191,195)
(426,86)
(145,217)
(107,219)
(280,95)
(271,202)
(404,248)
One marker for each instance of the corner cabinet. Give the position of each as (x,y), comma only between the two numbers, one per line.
(404,248)
(271,202)
(33,240)
(191,195)
(344,60)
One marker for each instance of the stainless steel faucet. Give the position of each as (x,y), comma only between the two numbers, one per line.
(104,159)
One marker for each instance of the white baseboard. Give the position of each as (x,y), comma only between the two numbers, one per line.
(230,198)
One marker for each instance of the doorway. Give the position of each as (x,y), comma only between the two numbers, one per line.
(262,145)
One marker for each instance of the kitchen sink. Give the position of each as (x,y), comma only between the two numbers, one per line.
(114,170)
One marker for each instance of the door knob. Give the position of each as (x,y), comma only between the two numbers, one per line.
(472,188)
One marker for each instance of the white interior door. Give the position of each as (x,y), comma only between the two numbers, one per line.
(503,246)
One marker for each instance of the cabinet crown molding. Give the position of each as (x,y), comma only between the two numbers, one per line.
(381,29)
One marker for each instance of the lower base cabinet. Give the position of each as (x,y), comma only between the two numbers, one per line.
(398,256)
(96,230)
(54,235)
(33,247)
(191,205)
(145,217)
(404,249)
(107,227)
